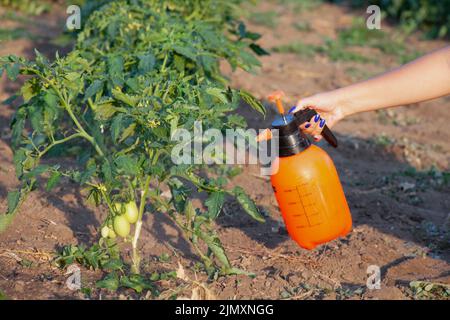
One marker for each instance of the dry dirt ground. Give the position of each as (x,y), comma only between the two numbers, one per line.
(401,216)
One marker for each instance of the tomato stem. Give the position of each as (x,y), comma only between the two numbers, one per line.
(107,199)
(135,268)
(56,142)
(68,108)
(188,232)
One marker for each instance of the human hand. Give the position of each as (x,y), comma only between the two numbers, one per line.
(329,111)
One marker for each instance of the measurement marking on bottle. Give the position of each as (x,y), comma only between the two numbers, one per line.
(308,203)
(303,205)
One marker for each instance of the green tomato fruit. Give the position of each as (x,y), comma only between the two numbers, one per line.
(118,206)
(131,212)
(111,234)
(121,226)
(105,232)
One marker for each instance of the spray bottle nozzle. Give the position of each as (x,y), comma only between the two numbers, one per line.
(276,97)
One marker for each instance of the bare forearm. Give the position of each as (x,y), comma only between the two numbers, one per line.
(423,79)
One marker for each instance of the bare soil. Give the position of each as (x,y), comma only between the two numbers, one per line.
(401,221)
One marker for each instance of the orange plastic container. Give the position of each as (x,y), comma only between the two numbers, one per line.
(310,197)
(305,181)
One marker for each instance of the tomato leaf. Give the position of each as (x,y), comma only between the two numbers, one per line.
(37,171)
(217,93)
(127,164)
(247,204)
(13,200)
(125,98)
(18,125)
(252,102)
(258,50)
(115,70)
(104,111)
(146,63)
(190,213)
(128,132)
(179,194)
(110,282)
(51,99)
(215,203)
(242,30)
(188,52)
(95,87)
(116,126)
(27,91)
(113,265)
(252,36)
(12,71)
(214,244)
(53,181)
(136,282)
(5,221)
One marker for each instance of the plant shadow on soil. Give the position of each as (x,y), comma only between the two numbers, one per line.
(3,191)
(164,230)
(348,286)
(81,219)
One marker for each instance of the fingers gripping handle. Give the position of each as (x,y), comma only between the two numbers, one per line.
(305,115)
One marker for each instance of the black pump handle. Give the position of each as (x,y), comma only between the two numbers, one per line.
(305,115)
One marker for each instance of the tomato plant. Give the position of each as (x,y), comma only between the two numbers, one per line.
(139,69)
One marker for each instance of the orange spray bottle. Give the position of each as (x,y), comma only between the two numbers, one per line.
(306,183)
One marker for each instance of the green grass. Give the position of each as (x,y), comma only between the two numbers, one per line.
(300,48)
(408,56)
(13,34)
(30,7)
(268,19)
(357,35)
(298,6)
(391,44)
(8,34)
(20,18)
(334,50)
(432,176)
(391,117)
(383,140)
(3,296)
(302,26)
